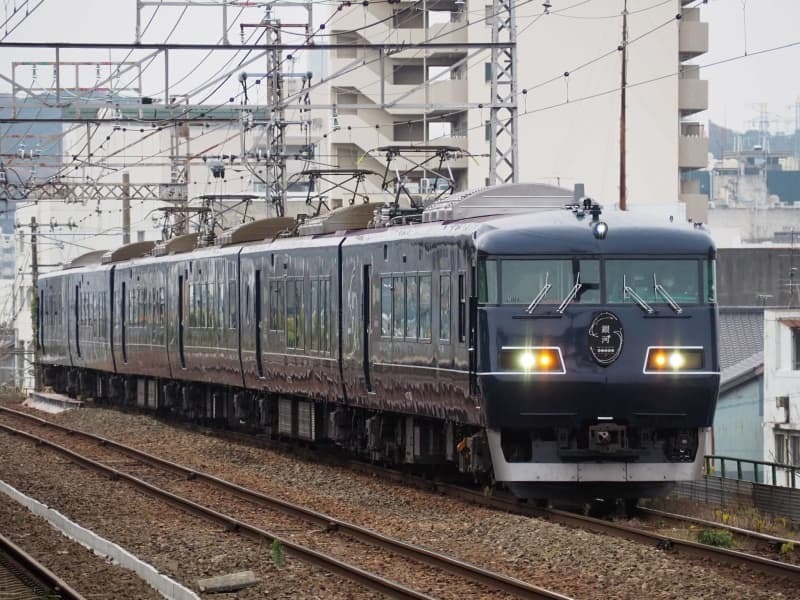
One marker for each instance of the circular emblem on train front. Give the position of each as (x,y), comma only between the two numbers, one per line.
(605,338)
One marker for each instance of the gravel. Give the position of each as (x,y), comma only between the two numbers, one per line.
(570,561)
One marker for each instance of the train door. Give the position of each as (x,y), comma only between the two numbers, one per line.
(181,319)
(77,321)
(366,300)
(123,315)
(40,322)
(258,306)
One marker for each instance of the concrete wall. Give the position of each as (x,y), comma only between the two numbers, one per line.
(756,276)
(755,225)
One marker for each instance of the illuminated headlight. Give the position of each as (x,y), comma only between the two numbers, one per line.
(673,359)
(535,359)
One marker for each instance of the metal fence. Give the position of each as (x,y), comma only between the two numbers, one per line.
(756,471)
(771,487)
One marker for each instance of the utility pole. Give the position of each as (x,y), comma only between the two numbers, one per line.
(623,192)
(35,301)
(126,208)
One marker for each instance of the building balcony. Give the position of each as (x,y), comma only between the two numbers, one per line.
(692,147)
(692,96)
(382,22)
(692,39)
(696,207)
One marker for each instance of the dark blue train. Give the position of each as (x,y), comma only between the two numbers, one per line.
(511,333)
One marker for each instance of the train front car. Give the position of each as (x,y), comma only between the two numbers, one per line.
(598,363)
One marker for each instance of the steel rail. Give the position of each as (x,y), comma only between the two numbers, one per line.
(38,572)
(329,563)
(773,540)
(443,562)
(770,567)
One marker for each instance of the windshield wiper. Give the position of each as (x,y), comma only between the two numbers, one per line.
(540,296)
(629,291)
(670,300)
(571,295)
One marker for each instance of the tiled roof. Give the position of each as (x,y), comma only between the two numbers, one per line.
(741,334)
(741,344)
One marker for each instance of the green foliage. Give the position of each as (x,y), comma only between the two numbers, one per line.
(787,547)
(716,537)
(278,555)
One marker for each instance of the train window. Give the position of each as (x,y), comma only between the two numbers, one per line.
(521,281)
(277,299)
(411,307)
(398,306)
(487,281)
(654,281)
(233,305)
(710,280)
(191,305)
(386,306)
(444,307)
(462,308)
(325,315)
(424,307)
(295,319)
(313,312)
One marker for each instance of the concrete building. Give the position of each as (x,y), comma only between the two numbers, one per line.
(568,76)
(758,413)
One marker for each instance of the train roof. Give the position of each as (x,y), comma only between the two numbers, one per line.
(571,231)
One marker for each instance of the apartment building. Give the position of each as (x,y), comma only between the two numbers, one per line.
(568,80)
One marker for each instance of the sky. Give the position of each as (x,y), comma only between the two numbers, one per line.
(737,88)
(736,27)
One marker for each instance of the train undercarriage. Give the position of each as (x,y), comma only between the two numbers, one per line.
(379,436)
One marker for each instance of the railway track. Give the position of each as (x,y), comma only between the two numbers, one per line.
(23,577)
(761,563)
(334,542)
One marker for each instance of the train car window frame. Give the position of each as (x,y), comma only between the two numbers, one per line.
(445,307)
(295,331)
(398,306)
(488,283)
(411,321)
(386,294)
(564,271)
(314,314)
(325,315)
(676,283)
(277,304)
(425,308)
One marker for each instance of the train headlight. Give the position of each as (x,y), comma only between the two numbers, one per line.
(531,359)
(673,359)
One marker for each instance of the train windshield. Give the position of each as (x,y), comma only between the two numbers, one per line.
(673,282)
(520,281)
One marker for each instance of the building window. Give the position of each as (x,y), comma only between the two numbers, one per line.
(796,348)
(780,448)
(794,450)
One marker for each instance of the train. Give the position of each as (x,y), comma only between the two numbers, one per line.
(517,335)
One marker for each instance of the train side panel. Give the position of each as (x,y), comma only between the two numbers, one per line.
(52,308)
(289,318)
(408,352)
(140,322)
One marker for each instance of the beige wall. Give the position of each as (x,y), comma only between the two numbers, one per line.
(579,141)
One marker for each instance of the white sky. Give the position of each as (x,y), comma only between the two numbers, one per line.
(736,89)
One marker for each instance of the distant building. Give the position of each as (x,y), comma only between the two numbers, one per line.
(758,412)
(568,127)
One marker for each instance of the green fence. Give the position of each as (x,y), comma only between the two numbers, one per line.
(755,471)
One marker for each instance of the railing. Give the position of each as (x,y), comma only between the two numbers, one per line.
(762,472)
